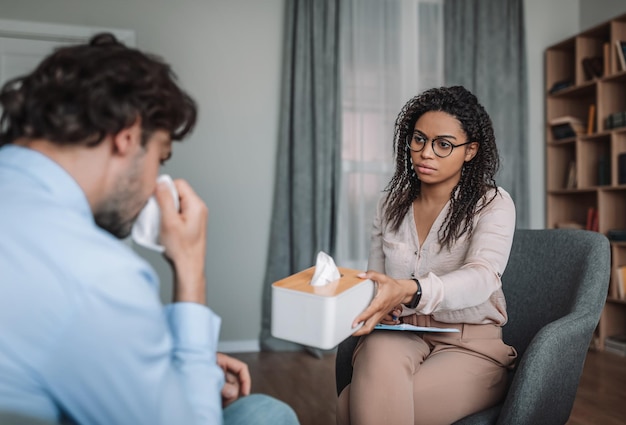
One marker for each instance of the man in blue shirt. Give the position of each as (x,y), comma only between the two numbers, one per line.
(83,335)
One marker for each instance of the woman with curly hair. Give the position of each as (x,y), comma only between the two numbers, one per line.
(440,243)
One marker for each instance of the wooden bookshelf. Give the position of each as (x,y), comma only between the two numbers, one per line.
(582,171)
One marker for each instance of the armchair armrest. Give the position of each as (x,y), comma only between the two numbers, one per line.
(544,386)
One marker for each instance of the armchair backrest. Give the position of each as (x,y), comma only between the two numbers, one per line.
(552,273)
(555,284)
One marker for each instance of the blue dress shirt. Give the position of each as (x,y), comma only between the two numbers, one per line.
(82,330)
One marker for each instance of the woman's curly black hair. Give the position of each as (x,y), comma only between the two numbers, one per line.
(477,176)
(80,94)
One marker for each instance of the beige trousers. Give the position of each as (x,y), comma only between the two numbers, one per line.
(409,378)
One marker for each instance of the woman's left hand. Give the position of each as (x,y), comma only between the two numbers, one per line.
(393,317)
(390,294)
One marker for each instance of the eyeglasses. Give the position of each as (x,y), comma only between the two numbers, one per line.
(441,147)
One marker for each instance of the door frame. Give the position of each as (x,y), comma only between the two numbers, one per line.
(60,32)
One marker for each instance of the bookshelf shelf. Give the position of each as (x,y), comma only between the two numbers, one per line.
(571,191)
(614,300)
(586,174)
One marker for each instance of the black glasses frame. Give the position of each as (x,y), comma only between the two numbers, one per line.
(432,144)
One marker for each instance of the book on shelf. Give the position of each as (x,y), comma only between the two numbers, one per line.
(615,120)
(593,67)
(565,127)
(604,170)
(621,54)
(621,168)
(616,235)
(621,282)
(561,85)
(592,219)
(591,119)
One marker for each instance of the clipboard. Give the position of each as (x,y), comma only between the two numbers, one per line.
(407,327)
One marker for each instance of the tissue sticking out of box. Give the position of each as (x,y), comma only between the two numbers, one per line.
(326,271)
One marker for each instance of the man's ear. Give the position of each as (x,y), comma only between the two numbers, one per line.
(126,139)
(471,151)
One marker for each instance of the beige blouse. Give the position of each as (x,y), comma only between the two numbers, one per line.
(460,285)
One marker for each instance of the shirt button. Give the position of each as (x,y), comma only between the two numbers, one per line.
(417,252)
(412,274)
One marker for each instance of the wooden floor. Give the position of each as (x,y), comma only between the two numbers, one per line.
(307,384)
(601,396)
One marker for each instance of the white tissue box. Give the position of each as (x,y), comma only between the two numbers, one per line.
(318,316)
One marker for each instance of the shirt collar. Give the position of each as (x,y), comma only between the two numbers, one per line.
(47,174)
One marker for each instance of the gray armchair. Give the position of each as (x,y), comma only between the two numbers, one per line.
(555,283)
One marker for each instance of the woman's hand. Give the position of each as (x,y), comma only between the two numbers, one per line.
(393,317)
(386,304)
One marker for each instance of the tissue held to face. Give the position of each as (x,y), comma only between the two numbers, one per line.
(134,186)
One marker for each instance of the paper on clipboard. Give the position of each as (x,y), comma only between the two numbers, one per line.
(407,327)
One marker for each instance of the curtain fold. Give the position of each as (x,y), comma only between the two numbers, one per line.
(485,52)
(307,167)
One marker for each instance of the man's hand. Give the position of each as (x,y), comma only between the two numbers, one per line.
(238,381)
(183,234)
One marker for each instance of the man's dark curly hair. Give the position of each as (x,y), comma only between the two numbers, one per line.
(80,94)
(477,177)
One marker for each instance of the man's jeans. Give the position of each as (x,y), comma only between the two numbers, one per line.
(259,409)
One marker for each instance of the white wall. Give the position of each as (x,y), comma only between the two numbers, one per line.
(547,23)
(594,12)
(227,54)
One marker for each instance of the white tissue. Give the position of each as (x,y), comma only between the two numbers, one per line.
(145,231)
(325,270)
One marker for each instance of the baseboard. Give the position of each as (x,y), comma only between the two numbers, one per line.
(239,346)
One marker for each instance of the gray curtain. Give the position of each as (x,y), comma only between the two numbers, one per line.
(309,149)
(485,52)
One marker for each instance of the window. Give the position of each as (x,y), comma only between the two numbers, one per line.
(391,50)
